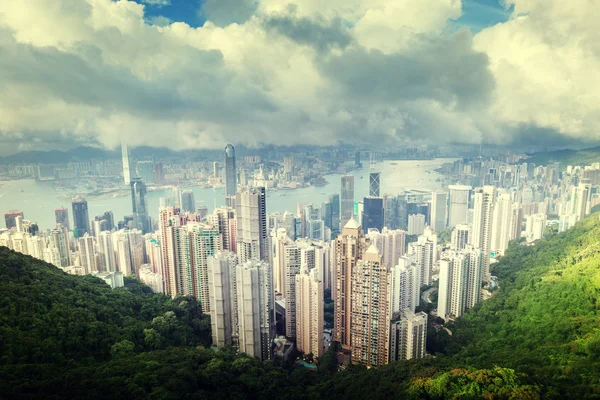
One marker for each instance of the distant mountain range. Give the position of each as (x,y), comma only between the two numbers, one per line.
(567,157)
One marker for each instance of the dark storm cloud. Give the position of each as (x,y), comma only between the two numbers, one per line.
(443,69)
(317,32)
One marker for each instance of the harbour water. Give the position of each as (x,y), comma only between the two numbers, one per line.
(38,201)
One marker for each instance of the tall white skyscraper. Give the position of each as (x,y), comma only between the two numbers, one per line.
(292,260)
(458,204)
(439,210)
(223,298)
(126,156)
(408,335)
(502,224)
(481,233)
(423,253)
(252,235)
(347,199)
(87,253)
(256,319)
(459,282)
(405,289)
(309,312)
(107,252)
(416,224)
(460,236)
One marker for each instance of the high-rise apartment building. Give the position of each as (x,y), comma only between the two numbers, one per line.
(347,199)
(223,298)
(349,248)
(459,282)
(224,219)
(458,204)
(252,235)
(391,244)
(204,241)
(59,239)
(405,289)
(230,175)
(370,313)
(439,210)
(460,237)
(87,253)
(81,218)
(481,233)
(502,225)
(408,336)
(423,253)
(107,252)
(309,312)
(416,224)
(255,303)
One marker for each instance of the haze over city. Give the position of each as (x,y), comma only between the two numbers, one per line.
(289,199)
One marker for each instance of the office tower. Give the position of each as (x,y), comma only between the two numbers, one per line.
(204,241)
(358,211)
(223,298)
(255,304)
(390,243)
(423,253)
(357,162)
(59,239)
(126,156)
(460,236)
(107,252)
(62,217)
(224,219)
(252,235)
(416,224)
(483,205)
(349,248)
(374,184)
(347,199)
(405,289)
(109,218)
(188,203)
(10,219)
(141,220)
(334,199)
(408,336)
(502,226)
(458,204)
(373,216)
(371,284)
(309,312)
(439,210)
(81,219)
(87,253)
(145,170)
(216,170)
(315,229)
(230,174)
(158,174)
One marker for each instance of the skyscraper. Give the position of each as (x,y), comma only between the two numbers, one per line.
(502,224)
(81,219)
(87,253)
(374,184)
(204,241)
(62,217)
(188,203)
(309,312)
(139,205)
(371,285)
(349,248)
(334,199)
(107,251)
(390,243)
(408,336)
(347,205)
(230,174)
(255,303)
(439,210)
(481,234)
(252,235)
(459,204)
(126,156)
(373,216)
(10,218)
(223,298)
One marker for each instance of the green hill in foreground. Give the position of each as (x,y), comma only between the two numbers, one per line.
(65,336)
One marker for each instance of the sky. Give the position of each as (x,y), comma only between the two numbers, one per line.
(189,74)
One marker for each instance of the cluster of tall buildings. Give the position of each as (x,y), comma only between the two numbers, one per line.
(250,270)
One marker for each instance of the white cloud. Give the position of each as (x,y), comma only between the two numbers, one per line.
(298,71)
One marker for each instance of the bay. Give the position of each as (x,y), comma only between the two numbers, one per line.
(38,201)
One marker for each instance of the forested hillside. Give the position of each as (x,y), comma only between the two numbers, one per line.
(64,336)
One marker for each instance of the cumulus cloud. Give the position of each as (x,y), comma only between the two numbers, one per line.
(295,71)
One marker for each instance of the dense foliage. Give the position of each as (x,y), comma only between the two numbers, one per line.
(64,336)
